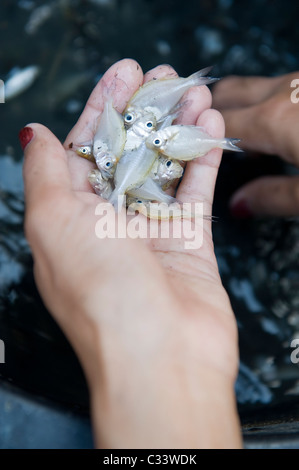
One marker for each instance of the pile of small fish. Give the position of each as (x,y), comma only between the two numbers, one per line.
(139,153)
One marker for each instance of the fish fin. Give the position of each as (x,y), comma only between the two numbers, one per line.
(168,120)
(176,111)
(175,211)
(205,71)
(168,199)
(230,144)
(117,200)
(191,214)
(199,78)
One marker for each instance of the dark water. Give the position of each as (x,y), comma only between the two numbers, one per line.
(74,42)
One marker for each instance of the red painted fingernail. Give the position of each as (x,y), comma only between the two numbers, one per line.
(241,210)
(25,136)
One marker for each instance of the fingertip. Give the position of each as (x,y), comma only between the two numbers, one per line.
(37,140)
(123,78)
(213,122)
(28,132)
(25,136)
(130,66)
(45,164)
(120,82)
(267,196)
(240,209)
(161,71)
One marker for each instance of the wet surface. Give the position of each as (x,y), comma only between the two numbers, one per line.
(31,423)
(73,43)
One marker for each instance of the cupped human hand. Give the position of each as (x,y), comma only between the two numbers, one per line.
(149,319)
(263,113)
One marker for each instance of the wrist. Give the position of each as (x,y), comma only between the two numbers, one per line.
(168,409)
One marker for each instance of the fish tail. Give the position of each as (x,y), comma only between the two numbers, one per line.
(117,200)
(230,144)
(174,211)
(167,199)
(200,78)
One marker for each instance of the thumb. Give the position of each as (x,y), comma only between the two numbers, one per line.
(45,167)
(271,195)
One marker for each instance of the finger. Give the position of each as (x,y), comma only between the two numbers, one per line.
(237,92)
(45,167)
(195,101)
(161,71)
(272,196)
(253,126)
(199,180)
(120,81)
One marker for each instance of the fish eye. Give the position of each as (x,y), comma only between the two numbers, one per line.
(107,164)
(139,201)
(168,163)
(149,124)
(157,142)
(129,118)
(84,150)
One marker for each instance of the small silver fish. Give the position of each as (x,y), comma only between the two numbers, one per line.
(139,130)
(110,135)
(159,211)
(19,80)
(107,165)
(84,151)
(187,142)
(165,171)
(151,191)
(160,96)
(132,171)
(102,187)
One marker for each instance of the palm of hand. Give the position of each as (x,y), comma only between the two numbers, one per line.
(189,277)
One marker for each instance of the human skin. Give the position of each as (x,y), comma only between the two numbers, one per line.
(149,320)
(260,112)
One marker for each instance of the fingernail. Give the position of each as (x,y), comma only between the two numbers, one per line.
(25,136)
(241,210)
